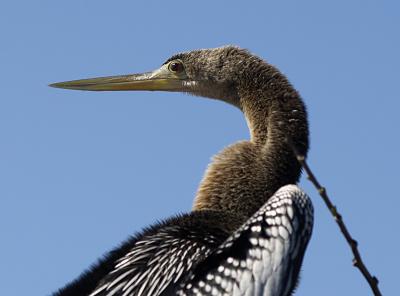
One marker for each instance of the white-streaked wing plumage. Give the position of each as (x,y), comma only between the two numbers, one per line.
(264,256)
(152,264)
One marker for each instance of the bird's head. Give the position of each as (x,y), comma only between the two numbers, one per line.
(214,73)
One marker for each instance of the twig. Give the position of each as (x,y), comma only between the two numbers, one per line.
(357,261)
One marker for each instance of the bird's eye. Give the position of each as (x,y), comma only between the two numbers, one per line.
(175,66)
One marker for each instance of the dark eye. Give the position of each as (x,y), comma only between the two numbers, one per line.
(175,66)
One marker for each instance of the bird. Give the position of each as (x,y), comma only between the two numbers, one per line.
(250,224)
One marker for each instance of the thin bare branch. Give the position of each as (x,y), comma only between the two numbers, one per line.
(357,261)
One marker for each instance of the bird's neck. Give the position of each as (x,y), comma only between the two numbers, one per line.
(243,176)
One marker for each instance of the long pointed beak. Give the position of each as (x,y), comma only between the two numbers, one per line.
(157,80)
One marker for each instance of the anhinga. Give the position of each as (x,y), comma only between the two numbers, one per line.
(249,228)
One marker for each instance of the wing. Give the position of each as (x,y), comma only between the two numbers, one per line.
(264,256)
(161,258)
(149,261)
(188,255)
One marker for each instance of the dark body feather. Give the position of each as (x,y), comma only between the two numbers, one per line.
(197,228)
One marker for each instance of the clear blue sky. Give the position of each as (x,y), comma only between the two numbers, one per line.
(80,171)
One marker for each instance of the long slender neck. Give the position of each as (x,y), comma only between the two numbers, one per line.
(272,123)
(243,176)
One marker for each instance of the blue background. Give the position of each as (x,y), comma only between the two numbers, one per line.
(80,171)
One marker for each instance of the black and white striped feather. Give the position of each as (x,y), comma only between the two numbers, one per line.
(154,263)
(264,256)
(156,258)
